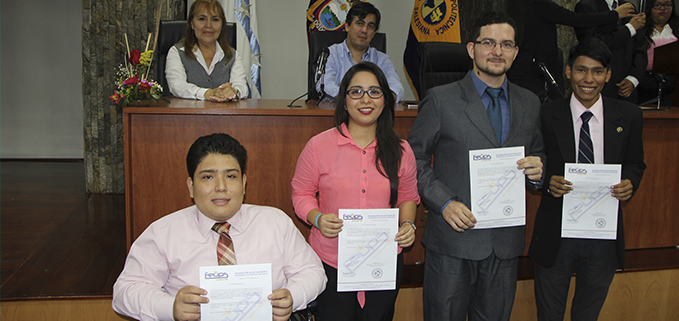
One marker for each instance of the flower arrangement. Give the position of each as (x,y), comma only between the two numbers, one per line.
(132,81)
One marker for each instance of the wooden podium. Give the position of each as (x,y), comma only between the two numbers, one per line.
(665,61)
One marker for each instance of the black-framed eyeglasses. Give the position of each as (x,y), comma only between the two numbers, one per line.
(358,92)
(663,6)
(489,44)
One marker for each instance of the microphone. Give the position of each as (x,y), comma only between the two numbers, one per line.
(320,72)
(321,62)
(549,77)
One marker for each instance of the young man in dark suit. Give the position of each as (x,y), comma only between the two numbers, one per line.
(473,272)
(615,129)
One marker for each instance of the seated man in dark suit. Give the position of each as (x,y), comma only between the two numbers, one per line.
(363,20)
(626,44)
(611,130)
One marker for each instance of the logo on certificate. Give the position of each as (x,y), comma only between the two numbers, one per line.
(600,223)
(377,273)
(508,210)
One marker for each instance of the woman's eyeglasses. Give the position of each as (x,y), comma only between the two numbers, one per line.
(357,92)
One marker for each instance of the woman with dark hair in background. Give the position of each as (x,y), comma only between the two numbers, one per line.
(211,69)
(662,28)
(361,163)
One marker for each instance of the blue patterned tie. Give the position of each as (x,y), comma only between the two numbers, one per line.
(495,112)
(585,147)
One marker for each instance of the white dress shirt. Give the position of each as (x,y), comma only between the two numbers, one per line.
(176,74)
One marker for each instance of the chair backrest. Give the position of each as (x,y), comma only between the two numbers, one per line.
(169,33)
(319,40)
(442,63)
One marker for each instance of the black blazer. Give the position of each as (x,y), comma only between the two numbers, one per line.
(623,144)
(629,53)
(539,41)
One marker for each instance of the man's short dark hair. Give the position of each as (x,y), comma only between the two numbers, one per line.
(490,18)
(217,143)
(362,10)
(593,48)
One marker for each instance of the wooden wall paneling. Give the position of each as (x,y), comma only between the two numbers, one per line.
(649,217)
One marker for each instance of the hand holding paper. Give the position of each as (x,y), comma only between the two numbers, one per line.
(532,167)
(281,302)
(187,303)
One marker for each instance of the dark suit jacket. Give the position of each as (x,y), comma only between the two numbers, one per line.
(629,53)
(539,41)
(623,125)
(451,121)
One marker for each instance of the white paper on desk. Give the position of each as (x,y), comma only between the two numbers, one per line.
(589,210)
(498,193)
(366,258)
(236,292)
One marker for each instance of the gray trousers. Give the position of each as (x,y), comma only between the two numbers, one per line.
(454,288)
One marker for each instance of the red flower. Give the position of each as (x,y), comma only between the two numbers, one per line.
(116,98)
(144,87)
(131,81)
(134,57)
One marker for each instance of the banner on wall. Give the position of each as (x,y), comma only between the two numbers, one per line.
(432,21)
(243,13)
(327,15)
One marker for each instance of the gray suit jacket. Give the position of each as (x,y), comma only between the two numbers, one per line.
(451,121)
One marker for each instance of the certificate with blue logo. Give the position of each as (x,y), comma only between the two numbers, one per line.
(366,258)
(589,210)
(498,194)
(236,292)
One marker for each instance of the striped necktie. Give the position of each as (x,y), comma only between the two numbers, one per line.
(225,253)
(585,146)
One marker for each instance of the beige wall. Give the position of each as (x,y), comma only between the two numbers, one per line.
(41,110)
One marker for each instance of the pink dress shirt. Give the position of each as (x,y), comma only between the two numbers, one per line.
(167,255)
(659,39)
(344,176)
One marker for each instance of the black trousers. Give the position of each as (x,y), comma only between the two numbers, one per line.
(594,261)
(343,306)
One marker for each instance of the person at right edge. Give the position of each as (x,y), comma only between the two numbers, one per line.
(614,128)
(473,272)
(626,42)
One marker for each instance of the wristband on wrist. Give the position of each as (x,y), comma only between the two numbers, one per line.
(316,220)
(410,223)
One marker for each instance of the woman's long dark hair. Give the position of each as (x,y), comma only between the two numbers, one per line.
(190,40)
(388,151)
(649,26)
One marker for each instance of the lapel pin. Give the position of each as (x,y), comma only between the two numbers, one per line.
(619,129)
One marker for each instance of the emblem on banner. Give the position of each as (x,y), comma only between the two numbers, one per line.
(328,14)
(436,20)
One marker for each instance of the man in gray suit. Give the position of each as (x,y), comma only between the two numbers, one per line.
(473,272)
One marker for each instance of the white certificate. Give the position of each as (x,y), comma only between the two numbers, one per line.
(498,193)
(366,258)
(589,210)
(236,292)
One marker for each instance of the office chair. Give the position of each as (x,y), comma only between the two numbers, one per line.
(442,63)
(171,31)
(319,40)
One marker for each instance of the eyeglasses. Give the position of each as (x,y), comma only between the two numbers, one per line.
(661,6)
(489,44)
(358,92)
